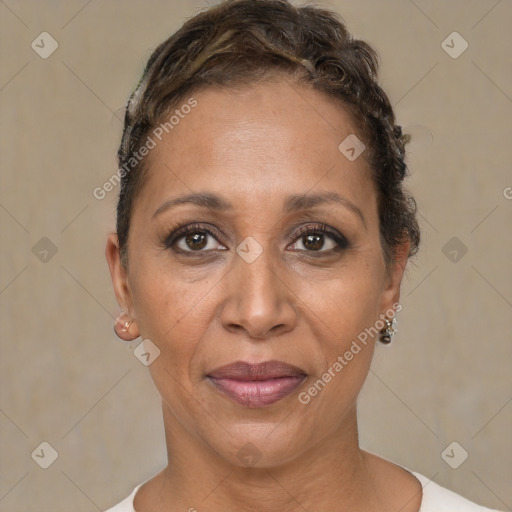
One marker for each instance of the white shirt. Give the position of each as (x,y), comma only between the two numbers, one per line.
(435,499)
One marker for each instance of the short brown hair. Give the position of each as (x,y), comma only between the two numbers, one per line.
(240,42)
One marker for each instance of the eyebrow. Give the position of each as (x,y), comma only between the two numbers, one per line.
(200,199)
(293,203)
(299,202)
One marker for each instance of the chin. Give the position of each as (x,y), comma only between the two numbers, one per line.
(253,444)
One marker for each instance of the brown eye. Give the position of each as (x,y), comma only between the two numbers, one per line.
(313,242)
(195,238)
(196,241)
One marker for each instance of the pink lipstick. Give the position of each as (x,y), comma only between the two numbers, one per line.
(257,385)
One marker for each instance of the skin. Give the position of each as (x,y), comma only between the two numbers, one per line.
(254,147)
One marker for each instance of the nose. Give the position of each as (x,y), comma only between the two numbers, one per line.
(259,302)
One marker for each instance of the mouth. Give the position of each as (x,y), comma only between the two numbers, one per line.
(257,385)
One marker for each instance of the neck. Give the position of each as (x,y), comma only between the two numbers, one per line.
(331,475)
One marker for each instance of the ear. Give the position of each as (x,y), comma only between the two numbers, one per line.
(395,271)
(118,274)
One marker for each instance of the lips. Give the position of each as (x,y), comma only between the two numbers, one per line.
(257,385)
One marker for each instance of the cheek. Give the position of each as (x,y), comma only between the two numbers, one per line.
(174,314)
(166,299)
(343,311)
(347,309)
(343,303)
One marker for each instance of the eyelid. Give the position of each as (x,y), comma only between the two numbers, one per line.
(323,229)
(173,237)
(311,228)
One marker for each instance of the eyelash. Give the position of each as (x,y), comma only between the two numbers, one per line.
(315,229)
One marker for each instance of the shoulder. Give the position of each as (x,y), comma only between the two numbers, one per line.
(439,499)
(127,504)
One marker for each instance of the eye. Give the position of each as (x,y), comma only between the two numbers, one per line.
(195,238)
(201,238)
(319,239)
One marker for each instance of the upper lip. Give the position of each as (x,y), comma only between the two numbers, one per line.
(242,370)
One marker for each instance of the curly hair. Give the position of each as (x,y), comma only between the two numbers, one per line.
(241,42)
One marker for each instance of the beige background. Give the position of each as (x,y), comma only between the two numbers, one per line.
(67,381)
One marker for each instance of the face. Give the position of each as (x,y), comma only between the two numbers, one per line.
(254,263)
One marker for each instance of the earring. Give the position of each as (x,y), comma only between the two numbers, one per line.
(387,333)
(124,322)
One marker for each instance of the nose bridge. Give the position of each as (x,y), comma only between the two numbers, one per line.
(259,301)
(259,283)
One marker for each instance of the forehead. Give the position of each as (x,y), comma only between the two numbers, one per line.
(257,142)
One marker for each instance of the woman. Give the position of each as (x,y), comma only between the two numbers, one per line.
(262,235)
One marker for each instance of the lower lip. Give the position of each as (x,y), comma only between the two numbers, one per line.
(257,393)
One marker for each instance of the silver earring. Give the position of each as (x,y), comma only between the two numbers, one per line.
(387,333)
